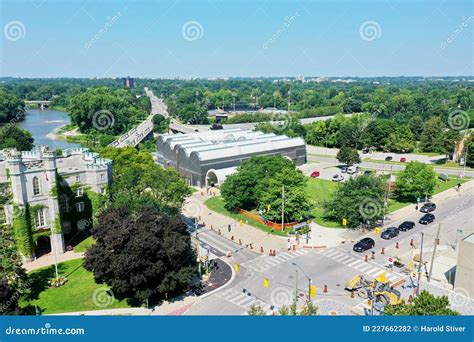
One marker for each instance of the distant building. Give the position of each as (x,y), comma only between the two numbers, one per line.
(206,158)
(128,82)
(464,278)
(49,196)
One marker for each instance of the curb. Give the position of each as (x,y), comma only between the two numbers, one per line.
(315,247)
(223,286)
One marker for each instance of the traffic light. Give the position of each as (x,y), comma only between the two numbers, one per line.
(344,222)
(241,223)
(312,291)
(236,267)
(377,230)
(229,228)
(265,283)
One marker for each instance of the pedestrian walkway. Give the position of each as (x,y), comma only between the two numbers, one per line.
(48,260)
(265,262)
(243,300)
(362,308)
(359,264)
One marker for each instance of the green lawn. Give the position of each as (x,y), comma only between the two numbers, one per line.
(76,295)
(318,191)
(84,245)
(217,204)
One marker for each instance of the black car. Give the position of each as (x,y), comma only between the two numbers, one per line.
(389,233)
(427,219)
(428,207)
(388,158)
(364,244)
(407,225)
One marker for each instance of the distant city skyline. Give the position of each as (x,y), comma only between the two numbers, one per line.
(211,39)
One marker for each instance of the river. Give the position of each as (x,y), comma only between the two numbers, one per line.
(42,122)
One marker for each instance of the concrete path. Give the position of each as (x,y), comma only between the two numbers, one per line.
(48,259)
(246,234)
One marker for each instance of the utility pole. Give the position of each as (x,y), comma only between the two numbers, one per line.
(419,266)
(283,209)
(434,251)
(289,100)
(465,162)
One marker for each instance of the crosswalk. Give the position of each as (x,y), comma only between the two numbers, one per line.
(362,308)
(359,264)
(244,300)
(265,262)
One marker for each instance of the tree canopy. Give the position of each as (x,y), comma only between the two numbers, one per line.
(348,155)
(141,256)
(358,200)
(13,137)
(259,183)
(12,108)
(417,180)
(425,304)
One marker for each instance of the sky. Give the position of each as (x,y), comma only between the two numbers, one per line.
(230,38)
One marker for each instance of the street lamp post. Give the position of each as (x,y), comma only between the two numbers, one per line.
(310,282)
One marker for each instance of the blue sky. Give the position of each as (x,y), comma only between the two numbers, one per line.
(145,38)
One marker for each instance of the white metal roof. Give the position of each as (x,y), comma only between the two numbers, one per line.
(222,174)
(241,149)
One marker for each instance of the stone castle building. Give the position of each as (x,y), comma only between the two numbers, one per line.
(47,197)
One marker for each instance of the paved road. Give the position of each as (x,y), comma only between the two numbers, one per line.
(388,167)
(332,267)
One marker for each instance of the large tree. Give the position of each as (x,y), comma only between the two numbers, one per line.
(417,180)
(401,140)
(377,132)
(348,155)
(141,256)
(11,107)
(139,182)
(432,137)
(13,137)
(425,304)
(359,200)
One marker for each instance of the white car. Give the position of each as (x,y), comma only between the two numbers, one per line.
(337,178)
(351,170)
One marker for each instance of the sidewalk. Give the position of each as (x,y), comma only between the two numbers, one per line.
(246,234)
(48,259)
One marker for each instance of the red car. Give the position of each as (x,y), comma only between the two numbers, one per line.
(315,174)
(403,159)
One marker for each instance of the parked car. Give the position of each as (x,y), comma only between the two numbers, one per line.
(427,219)
(352,169)
(364,244)
(389,233)
(315,174)
(403,159)
(428,208)
(365,150)
(407,225)
(388,158)
(344,169)
(337,178)
(367,172)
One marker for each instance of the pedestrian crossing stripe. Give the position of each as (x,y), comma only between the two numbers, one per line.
(266,262)
(362,266)
(242,299)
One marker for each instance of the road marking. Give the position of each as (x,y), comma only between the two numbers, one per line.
(242,299)
(353,261)
(266,262)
